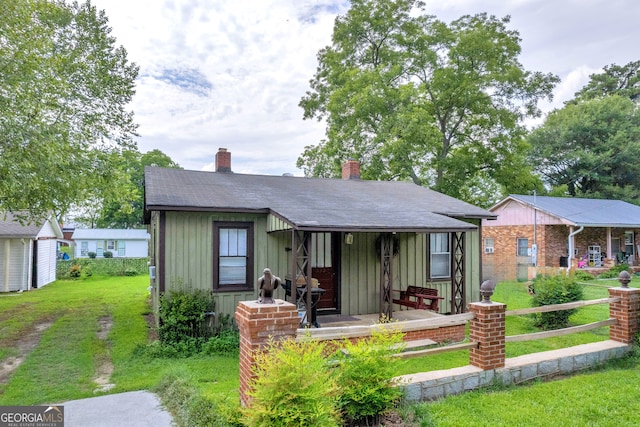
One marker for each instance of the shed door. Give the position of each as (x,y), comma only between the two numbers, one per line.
(323,268)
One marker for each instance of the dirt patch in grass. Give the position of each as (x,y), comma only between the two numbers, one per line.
(152,334)
(105,365)
(23,345)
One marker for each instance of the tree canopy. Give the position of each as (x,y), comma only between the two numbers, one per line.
(126,209)
(412,97)
(614,80)
(64,88)
(590,147)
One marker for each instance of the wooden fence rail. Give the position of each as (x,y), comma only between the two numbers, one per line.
(559,307)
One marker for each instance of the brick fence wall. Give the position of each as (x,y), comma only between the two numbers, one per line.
(260,322)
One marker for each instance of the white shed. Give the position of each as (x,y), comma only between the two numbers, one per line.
(28,253)
(122,243)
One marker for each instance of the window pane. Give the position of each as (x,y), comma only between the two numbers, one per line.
(523,245)
(440,257)
(241,245)
(224,242)
(233,270)
(440,265)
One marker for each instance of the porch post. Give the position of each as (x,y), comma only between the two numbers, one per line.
(458,294)
(386,275)
(301,267)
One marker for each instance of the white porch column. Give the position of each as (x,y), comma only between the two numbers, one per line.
(609,254)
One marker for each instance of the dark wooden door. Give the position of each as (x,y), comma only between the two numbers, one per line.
(325,269)
(326,280)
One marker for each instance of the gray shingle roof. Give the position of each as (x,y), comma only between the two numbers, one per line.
(11,228)
(587,212)
(310,203)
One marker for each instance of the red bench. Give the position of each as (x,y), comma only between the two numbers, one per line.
(418,298)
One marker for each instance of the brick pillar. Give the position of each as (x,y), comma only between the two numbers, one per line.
(257,323)
(487,329)
(626,312)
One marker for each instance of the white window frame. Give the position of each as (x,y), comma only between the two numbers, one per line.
(438,251)
(489,245)
(518,246)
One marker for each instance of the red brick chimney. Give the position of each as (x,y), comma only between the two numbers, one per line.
(351,169)
(223,160)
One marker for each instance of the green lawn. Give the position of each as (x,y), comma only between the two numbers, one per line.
(63,364)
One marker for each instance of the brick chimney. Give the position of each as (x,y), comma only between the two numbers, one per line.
(351,169)
(223,160)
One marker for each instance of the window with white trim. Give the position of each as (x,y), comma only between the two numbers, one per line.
(84,248)
(523,247)
(440,256)
(488,245)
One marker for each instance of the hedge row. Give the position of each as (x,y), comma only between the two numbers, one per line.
(105,266)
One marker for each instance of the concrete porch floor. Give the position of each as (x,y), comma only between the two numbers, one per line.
(334,320)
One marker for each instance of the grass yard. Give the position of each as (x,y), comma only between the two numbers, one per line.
(58,329)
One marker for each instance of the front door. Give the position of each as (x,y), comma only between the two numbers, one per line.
(324,269)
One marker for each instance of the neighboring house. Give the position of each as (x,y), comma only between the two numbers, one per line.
(122,243)
(558,232)
(28,253)
(359,239)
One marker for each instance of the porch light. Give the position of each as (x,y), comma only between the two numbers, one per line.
(348,239)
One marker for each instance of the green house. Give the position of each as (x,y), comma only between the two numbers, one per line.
(357,241)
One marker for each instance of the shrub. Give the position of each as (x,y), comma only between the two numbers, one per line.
(91,255)
(555,290)
(294,386)
(614,271)
(226,342)
(107,254)
(130,272)
(87,271)
(75,271)
(583,276)
(365,377)
(185,318)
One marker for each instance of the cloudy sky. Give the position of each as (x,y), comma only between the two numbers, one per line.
(230,73)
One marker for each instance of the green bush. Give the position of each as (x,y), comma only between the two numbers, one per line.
(583,276)
(614,271)
(106,266)
(550,290)
(91,255)
(365,377)
(294,386)
(107,254)
(187,319)
(75,271)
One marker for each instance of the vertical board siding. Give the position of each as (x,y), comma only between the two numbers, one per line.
(189,253)
(189,258)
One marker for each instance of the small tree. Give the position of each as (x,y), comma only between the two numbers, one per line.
(550,290)
(294,386)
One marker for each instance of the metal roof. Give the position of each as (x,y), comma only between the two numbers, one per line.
(109,234)
(586,212)
(311,203)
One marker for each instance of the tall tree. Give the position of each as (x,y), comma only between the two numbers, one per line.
(415,98)
(64,87)
(124,208)
(590,149)
(614,80)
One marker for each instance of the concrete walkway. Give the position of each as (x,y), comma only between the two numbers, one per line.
(134,408)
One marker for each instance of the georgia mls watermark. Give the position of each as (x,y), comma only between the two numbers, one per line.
(31,416)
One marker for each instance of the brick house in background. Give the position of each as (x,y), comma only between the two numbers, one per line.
(558,232)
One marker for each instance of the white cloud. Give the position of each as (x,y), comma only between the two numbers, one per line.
(219,73)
